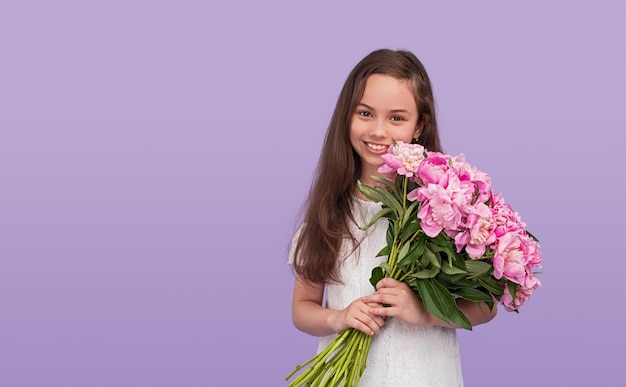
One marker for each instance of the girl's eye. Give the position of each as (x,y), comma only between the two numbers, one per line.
(365,113)
(397,118)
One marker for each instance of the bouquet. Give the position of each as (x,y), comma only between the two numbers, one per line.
(449,236)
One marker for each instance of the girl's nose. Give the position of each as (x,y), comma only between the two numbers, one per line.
(378,128)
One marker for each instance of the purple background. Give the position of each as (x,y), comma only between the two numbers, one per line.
(154,155)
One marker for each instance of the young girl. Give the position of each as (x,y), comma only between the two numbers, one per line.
(386,97)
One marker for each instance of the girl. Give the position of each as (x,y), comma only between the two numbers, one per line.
(387,96)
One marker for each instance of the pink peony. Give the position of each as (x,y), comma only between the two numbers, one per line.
(468,172)
(521,296)
(403,159)
(515,256)
(435,169)
(507,220)
(478,233)
(532,252)
(442,208)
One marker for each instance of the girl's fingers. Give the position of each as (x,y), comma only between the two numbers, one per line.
(380,298)
(367,325)
(387,283)
(372,322)
(383,312)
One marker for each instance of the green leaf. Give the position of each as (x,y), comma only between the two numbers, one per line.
(411,257)
(421,245)
(388,183)
(431,272)
(368,191)
(441,240)
(491,285)
(438,301)
(532,236)
(410,229)
(452,256)
(404,250)
(385,266)
(443,243)
(429,258)
(382,213)
(473,295)
(449,269)
(377,275)
(383,252)
(447,280)
(381,195)
(390,201)
(410,212)
(512,288)
(477,267)
(456,281)
(390,235)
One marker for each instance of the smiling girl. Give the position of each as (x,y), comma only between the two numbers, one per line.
(387,97)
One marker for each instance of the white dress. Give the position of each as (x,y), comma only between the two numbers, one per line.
(400,355)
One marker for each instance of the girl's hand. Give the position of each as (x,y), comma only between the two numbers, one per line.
(357,315)
(402,303)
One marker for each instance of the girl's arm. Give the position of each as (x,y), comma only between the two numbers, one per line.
(311,317)
(476,312)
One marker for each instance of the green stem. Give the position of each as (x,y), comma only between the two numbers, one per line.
(361,360)
(344,360)
(318,360)
(358,362)
(336,362)
(395,248)
(405,187)
(337,365)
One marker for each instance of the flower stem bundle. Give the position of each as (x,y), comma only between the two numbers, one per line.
(342,362)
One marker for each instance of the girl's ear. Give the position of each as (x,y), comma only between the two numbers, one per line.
(418,129)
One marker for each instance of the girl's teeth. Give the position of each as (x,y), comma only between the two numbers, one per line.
(376,146)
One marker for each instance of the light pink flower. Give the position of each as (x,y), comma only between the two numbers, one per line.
(478,232)
(521,296)
(532,252)
(403,159)
(515,256)
(442,208)
(507,220)
(435,169)
(467,172)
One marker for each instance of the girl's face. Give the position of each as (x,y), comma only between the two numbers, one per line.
(386,112)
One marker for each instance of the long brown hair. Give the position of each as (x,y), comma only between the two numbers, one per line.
(328,208)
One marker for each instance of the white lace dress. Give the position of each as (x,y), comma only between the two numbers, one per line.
(400,355)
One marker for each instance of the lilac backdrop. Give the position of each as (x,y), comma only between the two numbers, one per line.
(154,155)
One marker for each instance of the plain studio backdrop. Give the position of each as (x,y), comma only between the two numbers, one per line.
(154,156)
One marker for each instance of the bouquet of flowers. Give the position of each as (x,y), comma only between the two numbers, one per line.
(449,236)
